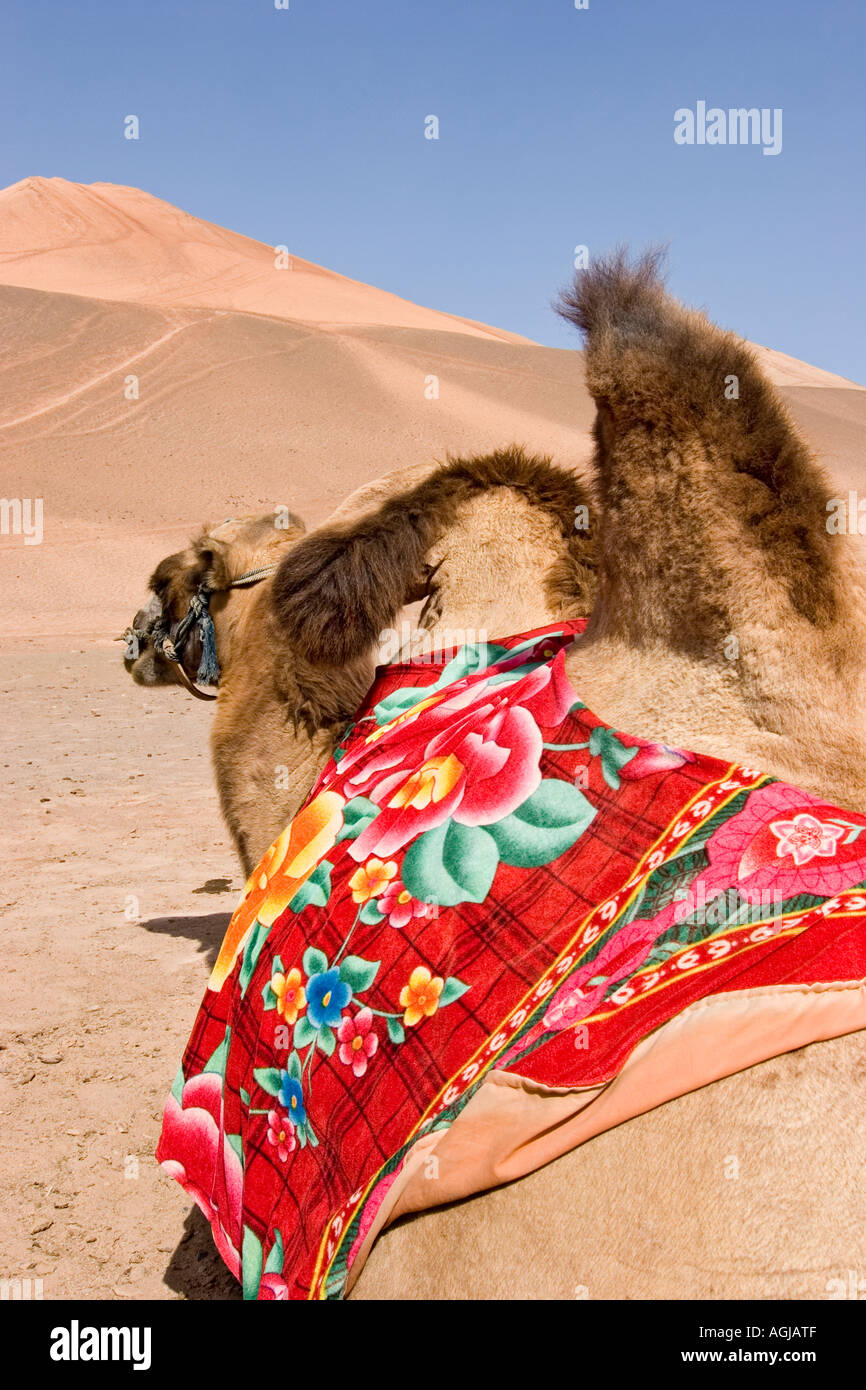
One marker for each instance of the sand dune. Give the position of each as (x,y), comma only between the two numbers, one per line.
(789,372)
(157,372)
(234,413)
(112,242)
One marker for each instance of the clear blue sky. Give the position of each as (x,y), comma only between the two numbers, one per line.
(306,127)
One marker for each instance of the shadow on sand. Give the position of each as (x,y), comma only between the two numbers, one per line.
(195,1270)
(208,931)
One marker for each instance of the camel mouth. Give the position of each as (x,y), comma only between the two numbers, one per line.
(143,669)
(143,663)
(148,669)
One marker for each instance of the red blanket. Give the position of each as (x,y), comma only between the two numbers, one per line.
(496,928)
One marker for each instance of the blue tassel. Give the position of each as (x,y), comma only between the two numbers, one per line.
(209,668)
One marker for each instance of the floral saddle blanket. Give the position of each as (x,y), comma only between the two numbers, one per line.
(494,916)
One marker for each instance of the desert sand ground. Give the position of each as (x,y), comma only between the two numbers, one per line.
(256,387)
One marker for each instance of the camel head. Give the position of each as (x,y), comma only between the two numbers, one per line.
(217,558)
(493,544)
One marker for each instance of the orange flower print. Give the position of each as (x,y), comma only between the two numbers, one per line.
(291,998)
(372,879)
(407,714)
(435,779)
(420,998)
(287,865)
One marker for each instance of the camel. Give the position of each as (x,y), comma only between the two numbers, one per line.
(727,620)
(265,751)
(508,565)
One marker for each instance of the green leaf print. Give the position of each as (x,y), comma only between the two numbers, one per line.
(451,990)
(217,1060)
(177,1085)
(371,914)
(450,864)
(316,891)
(359,973)
(268,1078)
(304,1032)
(253,949)
(544,826)
(251,1263)
(604,744)
(396,1031)
(357,815)
(315,962)
(274,1262)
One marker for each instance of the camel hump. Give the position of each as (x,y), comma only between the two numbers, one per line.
(617,294)
(656,367)
(343,585)
(699,452)
(655,361)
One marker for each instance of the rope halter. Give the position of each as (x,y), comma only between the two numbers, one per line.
(169,640)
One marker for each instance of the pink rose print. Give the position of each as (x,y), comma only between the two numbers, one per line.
(281,1133)
(475,758)
(400,907)
(357,1041)
(652,758)
(273,1286)
(205,1164)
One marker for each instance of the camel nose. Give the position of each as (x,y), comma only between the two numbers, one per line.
(136,636)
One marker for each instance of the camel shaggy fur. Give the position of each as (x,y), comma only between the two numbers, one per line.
(265,748)
(727,620)
(498,553)
(349,581)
